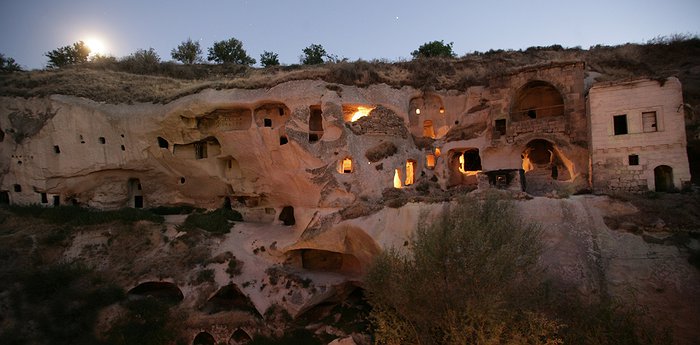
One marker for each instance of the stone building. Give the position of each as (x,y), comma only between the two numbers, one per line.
(637,136)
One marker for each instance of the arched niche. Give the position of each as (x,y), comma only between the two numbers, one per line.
(162,291)
(204,338)
(663,178)
(229,298)
(536,100)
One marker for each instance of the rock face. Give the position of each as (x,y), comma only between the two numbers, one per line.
(311,167)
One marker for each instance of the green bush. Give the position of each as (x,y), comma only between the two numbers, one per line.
(68,55)
(170,210)
(466,281)
(216,222)
(434,49)
(313,55)
(229,51)
(57,304)
(269,59)
(147,322)
(187,52)
(73,215)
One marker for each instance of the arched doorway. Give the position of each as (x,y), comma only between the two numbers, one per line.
(543,164)
(204,338)
(663,178)
(535,100)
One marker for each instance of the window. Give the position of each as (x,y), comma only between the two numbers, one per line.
(101,140)
(44,198)
(200,150)
(17,188)
(267,122)
(283,140)
(430,161)
(346,166)
(649,121)
(56,149)
(410,172)
(428,129)
(500,126)
(620,124)
(633,159)
(162,143)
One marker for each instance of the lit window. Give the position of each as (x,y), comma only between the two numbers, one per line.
(346,166)
(430,161)
(410,171)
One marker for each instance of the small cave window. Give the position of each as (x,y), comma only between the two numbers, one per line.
(267,122)
(182,180)
(82,140)
(633,159)
(649,121)
(123,148)
(346,166)
(281,111)
(2,135)
(315,124)
(410,172)
(200,150)
(532,113)
(101,140)
(56,149)
(17,188)
(283,140)
(162,143)
(430,161)
(57,200)
(500,126)
(44,198)
(313,137)
(620,124)
(287,216)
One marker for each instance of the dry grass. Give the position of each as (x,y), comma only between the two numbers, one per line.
(114,82)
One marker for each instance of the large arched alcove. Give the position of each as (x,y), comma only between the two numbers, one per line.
(663,178)
(464,164)
(544,163)
(240,337)
(536,100)
(162,291)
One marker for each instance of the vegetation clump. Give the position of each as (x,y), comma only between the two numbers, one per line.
(229,51)
(73,215)
(216,222)
(76,53)
(187,52)
(434,49)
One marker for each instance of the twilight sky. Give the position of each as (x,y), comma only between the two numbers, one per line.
(364,29)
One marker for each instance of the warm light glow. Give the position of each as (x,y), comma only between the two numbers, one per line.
(461,164)
(361,112)
(442,110)
(96,45)
(437,152)
(397,179)
(430,161)
(410,169)
(417,111)
(347,166)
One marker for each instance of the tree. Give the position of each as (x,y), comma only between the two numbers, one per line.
(434,49)
(230,51)
(313,55)
(268,59)
(188,52)
(468,281)
(8,64)
(72,54)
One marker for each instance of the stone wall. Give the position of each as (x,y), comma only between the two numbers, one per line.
(654,146)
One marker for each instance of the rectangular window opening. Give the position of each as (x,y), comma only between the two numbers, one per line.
(633,159)
(620,124)
(649,121)
(267,122)
(500,126)
(44,198)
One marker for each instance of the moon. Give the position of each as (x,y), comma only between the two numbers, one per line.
(96,45)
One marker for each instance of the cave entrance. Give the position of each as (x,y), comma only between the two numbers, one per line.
(162,291)
(4,197)
(535,100)
(229,298)
(543,163)
(464,166)
(240,337)
(135,192)
(410,172)
(287,216)
(329,261)
(204,338)
(663,178)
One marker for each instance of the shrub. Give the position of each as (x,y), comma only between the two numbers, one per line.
(269,59)
(169,210)
(462,283)
(82,216)
(313,55)
(229,51)
(216,222)
(434,49)
(142,61)
(147,321)
(68,55)
(188,52)
(235,267)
